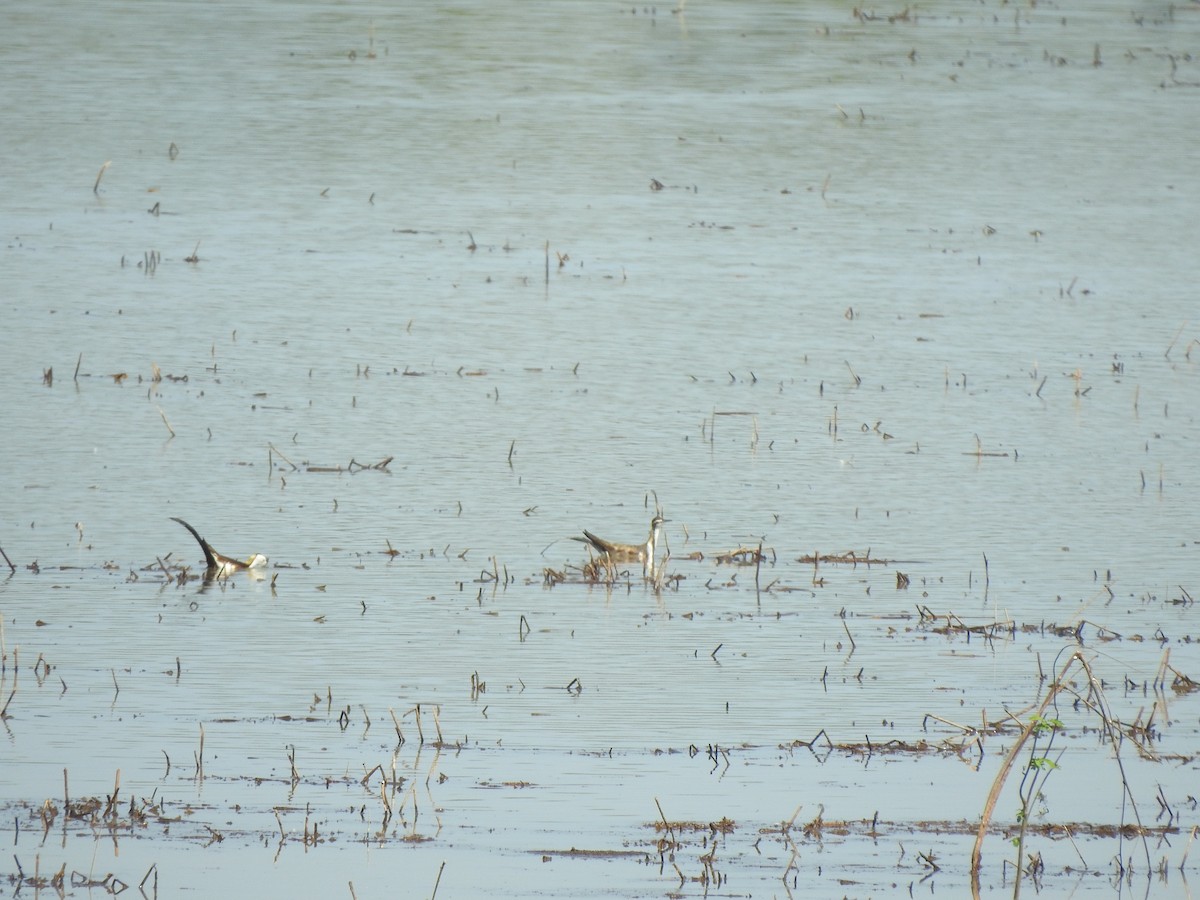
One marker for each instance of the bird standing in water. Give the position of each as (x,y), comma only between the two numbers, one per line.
(217,565)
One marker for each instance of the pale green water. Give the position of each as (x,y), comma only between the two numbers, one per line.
(921,229)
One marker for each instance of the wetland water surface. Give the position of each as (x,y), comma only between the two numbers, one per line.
(900,298)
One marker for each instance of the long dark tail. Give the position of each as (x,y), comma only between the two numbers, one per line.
(210,556)
(597,543)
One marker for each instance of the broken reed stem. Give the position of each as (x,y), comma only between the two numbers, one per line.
(1002,776)
(853,646)
(666,825)
(438,880)
(12,568)
(110,808)
(1164,664)
(104,168)
(964,728)
(853,375)
(1188,849)
(758,557)
(420,730)
(78,363)
(1166,353)
(272,447)
(165,422)
(166,572)
(1006,766)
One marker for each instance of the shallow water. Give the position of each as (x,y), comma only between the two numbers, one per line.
(920,289)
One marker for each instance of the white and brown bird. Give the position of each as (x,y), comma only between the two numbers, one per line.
(218,565)
(617,552)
